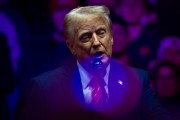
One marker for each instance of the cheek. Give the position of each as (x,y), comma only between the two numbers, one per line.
(108,45)
(83,49)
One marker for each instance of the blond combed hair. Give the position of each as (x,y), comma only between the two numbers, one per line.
(74,16)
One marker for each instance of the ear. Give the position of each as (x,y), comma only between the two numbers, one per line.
(112,41)
(71,46)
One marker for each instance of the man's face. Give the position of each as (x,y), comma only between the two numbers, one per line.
(93,39)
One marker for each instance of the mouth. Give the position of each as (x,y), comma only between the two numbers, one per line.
(97,60)
(98,55)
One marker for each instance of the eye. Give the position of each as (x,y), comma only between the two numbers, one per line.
(85,37)
(101,32)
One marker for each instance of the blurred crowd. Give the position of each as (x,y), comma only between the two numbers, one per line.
(146,35)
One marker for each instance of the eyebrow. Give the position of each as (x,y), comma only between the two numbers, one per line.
(101,27)
(86,31)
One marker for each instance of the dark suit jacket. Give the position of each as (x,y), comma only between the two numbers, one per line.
(58,95)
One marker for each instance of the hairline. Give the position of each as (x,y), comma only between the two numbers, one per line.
(78,14)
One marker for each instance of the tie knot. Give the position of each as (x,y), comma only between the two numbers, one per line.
(97,81)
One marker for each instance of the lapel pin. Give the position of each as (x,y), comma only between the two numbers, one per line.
(120,82)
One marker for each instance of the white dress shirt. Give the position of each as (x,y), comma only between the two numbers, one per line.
(85,79)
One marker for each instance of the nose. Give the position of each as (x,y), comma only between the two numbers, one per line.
(96,43)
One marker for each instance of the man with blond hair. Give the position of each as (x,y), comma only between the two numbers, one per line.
(91,85)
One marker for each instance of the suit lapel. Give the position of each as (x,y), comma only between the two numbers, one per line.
(115,83)
(72,86)
(77,87)
(124,89)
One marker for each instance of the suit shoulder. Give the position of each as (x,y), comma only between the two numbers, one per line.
(138,71)
(49,76)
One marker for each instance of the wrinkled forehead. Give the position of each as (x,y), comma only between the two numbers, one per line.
(91,23)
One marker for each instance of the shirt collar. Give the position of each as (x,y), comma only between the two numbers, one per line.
(86,77)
